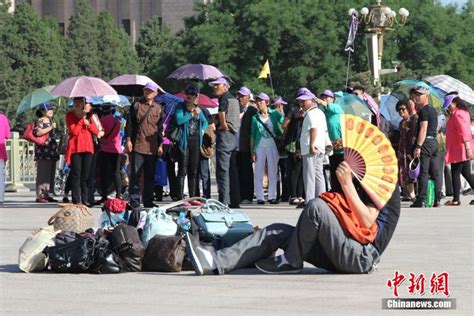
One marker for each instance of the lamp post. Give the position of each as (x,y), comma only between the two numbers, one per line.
(379,19)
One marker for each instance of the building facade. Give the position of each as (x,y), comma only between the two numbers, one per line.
(131,14)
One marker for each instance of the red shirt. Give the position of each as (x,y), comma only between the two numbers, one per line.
(80,135)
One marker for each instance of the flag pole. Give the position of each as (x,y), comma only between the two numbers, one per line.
(271,84)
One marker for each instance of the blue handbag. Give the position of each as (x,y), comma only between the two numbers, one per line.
(158,222)
(161,176)
(216,221)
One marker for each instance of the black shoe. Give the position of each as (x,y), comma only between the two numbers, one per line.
(51,200)
(436,203)
(234,206)
(199,255)
(261,202)
(275,265)
(65,200)
(300,205)
(418,203)
(274,202)
(89,205)
(100,202)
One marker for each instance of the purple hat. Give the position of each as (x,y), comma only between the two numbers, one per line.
(244,91)
(221,80)
(87,99)
(263,96)
(279,101)
(152,86)
(448,99)
(328,93)
(307,95)
(46,106)
(302,91)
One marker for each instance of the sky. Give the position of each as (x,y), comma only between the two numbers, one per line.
(458,2)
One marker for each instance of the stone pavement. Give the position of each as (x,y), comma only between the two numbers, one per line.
(426,241)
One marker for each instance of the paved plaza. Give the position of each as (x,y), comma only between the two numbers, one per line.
(426,241)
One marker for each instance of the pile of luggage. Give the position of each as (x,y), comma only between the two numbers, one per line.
(129,240)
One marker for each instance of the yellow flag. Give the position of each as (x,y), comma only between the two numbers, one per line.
(265,71)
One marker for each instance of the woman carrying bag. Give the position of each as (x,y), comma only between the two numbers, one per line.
(80,149)
(459,145)
(266,125)
(45,155)
(192,122)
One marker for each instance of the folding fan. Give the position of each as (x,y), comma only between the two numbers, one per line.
(371,157)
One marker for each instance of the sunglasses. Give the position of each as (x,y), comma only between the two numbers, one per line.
(190,93)
(402,109)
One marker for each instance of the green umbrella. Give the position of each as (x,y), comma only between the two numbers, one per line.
(35,98)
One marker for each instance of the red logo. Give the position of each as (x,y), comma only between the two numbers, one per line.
(438,283)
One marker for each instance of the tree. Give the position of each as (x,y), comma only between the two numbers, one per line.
(81,45)
(32,55)
(116,55)
(159,51)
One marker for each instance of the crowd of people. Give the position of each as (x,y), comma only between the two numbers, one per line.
(291,148)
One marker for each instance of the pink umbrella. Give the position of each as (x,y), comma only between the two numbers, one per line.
(204,100)
(373,106)
(196,72)
(83,86)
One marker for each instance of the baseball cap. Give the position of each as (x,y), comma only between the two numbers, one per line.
(421,87)
(302,91)
(46,106)
(263,96)
(153,86)
(448,99)
(307,95)
(191,89)
(221,80)
(279,101)
(328,93)
(244,91)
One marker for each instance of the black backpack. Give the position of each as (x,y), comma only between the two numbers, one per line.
(72,254)
(127,244)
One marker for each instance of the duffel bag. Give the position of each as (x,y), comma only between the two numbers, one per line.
(127,244)
(158,222)
(164,254)
(72,218)
(217,221)
(31,257)
(105,259)
(73,257)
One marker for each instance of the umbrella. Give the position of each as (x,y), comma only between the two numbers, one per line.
(131,85)
(169,101)
(34,98)
(388,110)
(352,104)
(196,72)
(401,91)
(449,84)
(83,86)
(117,100)
(204,100)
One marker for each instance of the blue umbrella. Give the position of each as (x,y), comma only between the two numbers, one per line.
(117,100)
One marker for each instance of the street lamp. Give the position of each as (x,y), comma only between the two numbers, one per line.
(379,19)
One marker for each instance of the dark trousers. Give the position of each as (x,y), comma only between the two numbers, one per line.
(188,165)
(172,177)
(205,177)
(227,175)
(80,171)
(429,169)
(92,175)
(109,165)
(457,169)
(334,162)
(283,185)
(146,164)
(295,171)
(318,238)
(244,161)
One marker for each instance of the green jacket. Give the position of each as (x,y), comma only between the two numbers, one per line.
(257,129)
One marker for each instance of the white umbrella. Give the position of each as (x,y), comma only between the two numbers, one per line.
(450,84)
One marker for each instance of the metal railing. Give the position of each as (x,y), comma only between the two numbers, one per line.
(20,168)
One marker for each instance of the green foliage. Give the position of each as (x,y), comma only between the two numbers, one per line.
(115,53)
(81,44)
(159,51)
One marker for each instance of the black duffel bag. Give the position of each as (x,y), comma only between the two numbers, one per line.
(75,256)
(105,259)
(164,254)
(127,244)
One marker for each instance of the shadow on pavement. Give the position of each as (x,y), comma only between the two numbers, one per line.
(9,268)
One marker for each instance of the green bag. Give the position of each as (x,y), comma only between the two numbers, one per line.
(430,194)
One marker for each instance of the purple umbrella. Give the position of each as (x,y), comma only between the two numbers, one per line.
(131,85)
(196,72)
(83,86)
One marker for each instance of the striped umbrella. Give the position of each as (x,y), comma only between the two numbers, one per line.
(449,84)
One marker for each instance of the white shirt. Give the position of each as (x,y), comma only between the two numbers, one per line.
(266,140)
(314,118)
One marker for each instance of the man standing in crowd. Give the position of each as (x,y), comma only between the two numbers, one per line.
(144,143)
(226,146)
(426,146)
(244,159)
(312,143)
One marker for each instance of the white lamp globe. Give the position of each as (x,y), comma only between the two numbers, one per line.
(364,11)
(352,11)
(403,12)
